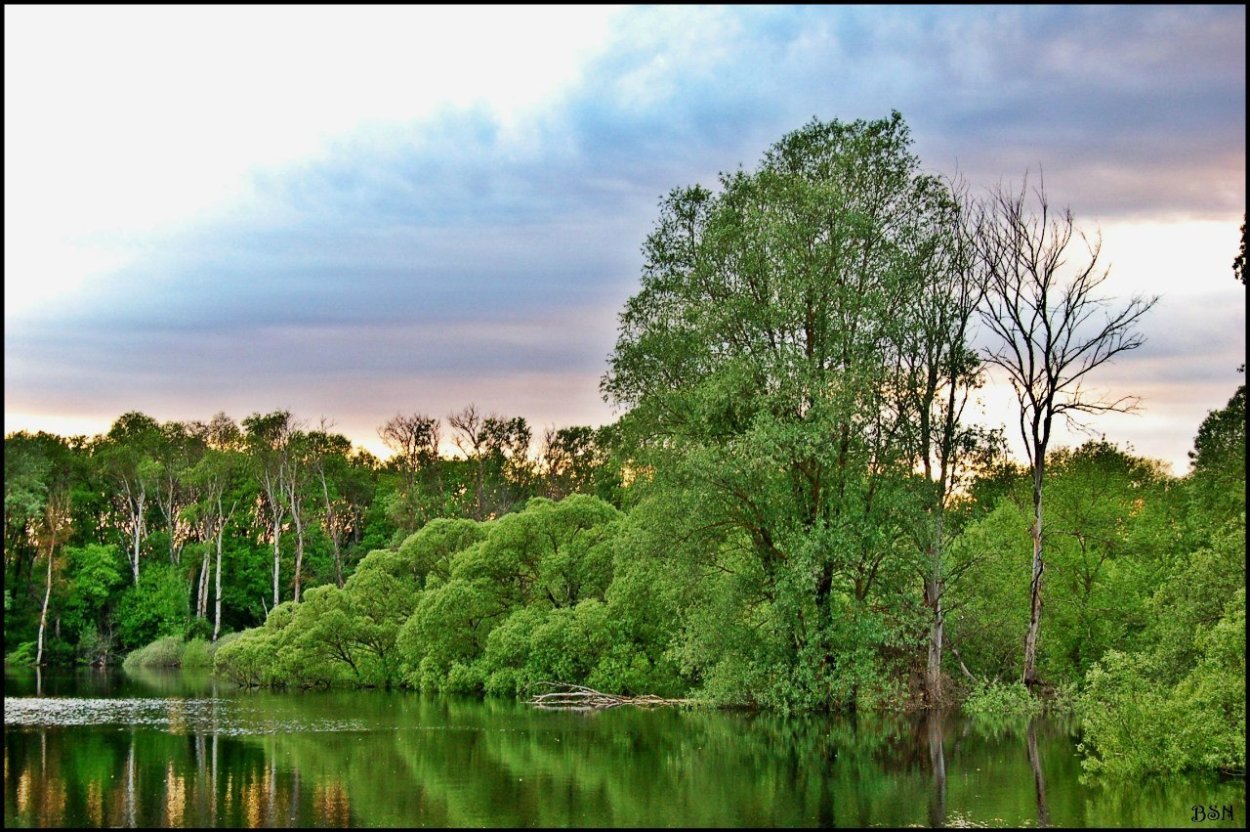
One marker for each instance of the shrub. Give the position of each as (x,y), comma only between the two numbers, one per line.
(172,651)
(198,653)
(1002,699)
(164,652)
(94,647)
(157,606)
(248,658)
(1128,722)
(1134,722)
(23,655)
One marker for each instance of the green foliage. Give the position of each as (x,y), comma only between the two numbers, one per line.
(1177,700)
(94,647)
(997,699)
(22,656)
(765,362)
(1099,569)
(523,600)
(159,605)
(993,610)
(247,659)
(429,551)
(536,645)
(164,652)
(94,573)
(173,651)
(198,653)
(1135,722)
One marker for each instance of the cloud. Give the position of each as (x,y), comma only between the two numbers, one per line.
(464,242)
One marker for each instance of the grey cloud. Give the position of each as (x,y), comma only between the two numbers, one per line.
(413,250)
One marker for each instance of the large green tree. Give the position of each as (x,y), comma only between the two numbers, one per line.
(761,364)
(127,456)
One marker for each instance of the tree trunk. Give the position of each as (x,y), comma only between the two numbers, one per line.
(43,616)
(1035,592)
(277,561)
(933,670)
(201,595)
(933,598)
(299,551)
(134,557)
(217,618)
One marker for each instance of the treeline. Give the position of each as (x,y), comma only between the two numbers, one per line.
(196,528)
(793,511)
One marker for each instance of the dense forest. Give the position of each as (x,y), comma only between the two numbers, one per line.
(792,511)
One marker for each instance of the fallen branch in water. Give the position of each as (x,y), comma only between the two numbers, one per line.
(577,697)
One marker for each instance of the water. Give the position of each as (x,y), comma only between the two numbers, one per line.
(169,749)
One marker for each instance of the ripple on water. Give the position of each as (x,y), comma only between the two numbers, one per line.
(175,715)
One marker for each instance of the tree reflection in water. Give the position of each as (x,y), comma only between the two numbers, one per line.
(389,759)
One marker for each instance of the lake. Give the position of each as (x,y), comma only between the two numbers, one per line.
(105,748)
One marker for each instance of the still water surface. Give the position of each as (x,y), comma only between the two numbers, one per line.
(168,749)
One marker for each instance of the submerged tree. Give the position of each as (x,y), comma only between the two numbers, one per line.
(1053,329)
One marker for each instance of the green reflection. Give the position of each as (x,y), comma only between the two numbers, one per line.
(367,758)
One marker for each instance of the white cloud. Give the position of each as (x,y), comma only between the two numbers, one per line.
(242,169)
(125,122)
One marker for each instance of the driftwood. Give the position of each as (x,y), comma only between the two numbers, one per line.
(578,698)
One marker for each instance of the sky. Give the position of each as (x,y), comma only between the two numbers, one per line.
(355,212)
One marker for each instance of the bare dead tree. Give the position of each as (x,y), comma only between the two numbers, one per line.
(1052,330)
(414,439)
(411,436)
(470,437)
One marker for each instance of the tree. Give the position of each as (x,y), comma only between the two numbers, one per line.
(761,363)
(52,532)
(497,448)
(176,450)
(1176,699)
(297,481)
(1239,262)
(1052,330)
(215,478)
(40,494)
(470,438)
(414,438)
(343,491)
(1102,511)
(268,440)
(942,371)
(26,467)
(127,454)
